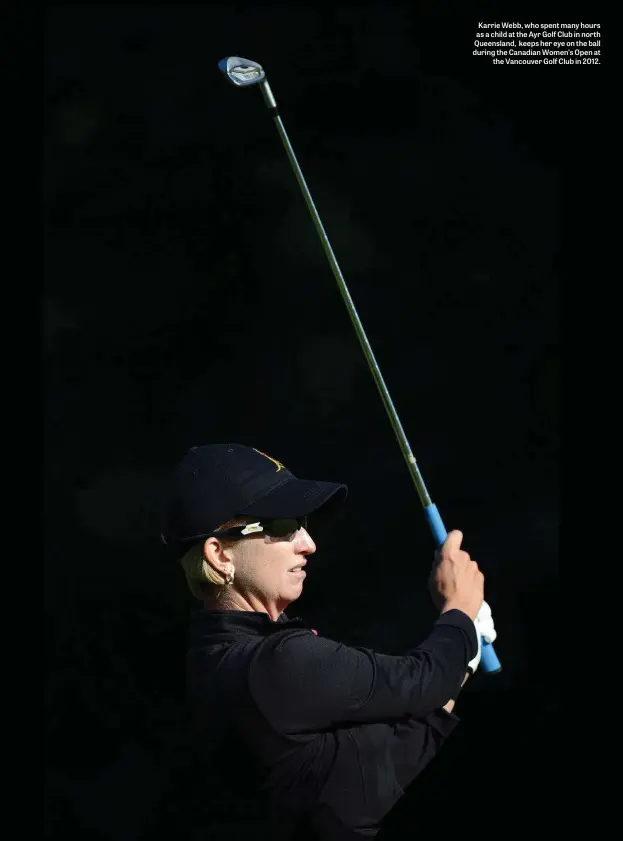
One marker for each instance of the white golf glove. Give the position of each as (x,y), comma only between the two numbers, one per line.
(485,629)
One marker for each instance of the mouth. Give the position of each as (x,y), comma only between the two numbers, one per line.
(298,570)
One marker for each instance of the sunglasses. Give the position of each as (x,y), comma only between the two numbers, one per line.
(276,527)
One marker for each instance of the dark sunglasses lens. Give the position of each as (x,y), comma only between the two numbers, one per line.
(283,526)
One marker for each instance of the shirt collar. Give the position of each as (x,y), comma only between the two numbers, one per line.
(231,625)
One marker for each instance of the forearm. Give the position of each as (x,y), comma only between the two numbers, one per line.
(450,705)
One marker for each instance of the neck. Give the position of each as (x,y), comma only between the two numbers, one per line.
(232,600)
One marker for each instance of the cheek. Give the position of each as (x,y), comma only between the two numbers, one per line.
(264,567)
(256,568)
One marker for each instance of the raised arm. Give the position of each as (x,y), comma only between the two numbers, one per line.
(306,683)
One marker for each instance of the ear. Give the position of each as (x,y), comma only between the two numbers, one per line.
(216,555)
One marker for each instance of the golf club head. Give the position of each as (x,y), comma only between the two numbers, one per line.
(241,72)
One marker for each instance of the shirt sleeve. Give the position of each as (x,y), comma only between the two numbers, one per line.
(305,683)
(416,741)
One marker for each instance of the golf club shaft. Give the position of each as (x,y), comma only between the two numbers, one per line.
(489,659)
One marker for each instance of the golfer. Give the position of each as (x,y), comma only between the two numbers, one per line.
(306,738)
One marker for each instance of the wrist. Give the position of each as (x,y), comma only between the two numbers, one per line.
(468,609)
(450,705)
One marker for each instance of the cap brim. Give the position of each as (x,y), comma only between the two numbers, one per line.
(297,498)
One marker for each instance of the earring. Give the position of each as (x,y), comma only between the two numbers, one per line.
(229,579)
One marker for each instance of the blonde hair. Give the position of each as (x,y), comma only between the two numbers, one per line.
(202,579)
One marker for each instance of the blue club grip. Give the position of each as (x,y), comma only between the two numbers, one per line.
(436,525)
(488,661)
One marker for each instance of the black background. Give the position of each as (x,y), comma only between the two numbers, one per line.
(187,300)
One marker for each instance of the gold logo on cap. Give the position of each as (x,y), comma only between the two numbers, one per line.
(280,466)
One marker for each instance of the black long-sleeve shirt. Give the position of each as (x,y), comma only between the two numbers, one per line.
(323,738)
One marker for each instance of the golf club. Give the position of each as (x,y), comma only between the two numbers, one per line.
(244,73)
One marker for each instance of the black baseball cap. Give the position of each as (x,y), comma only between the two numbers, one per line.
(217,482)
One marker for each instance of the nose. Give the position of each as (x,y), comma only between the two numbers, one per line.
(305,544)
